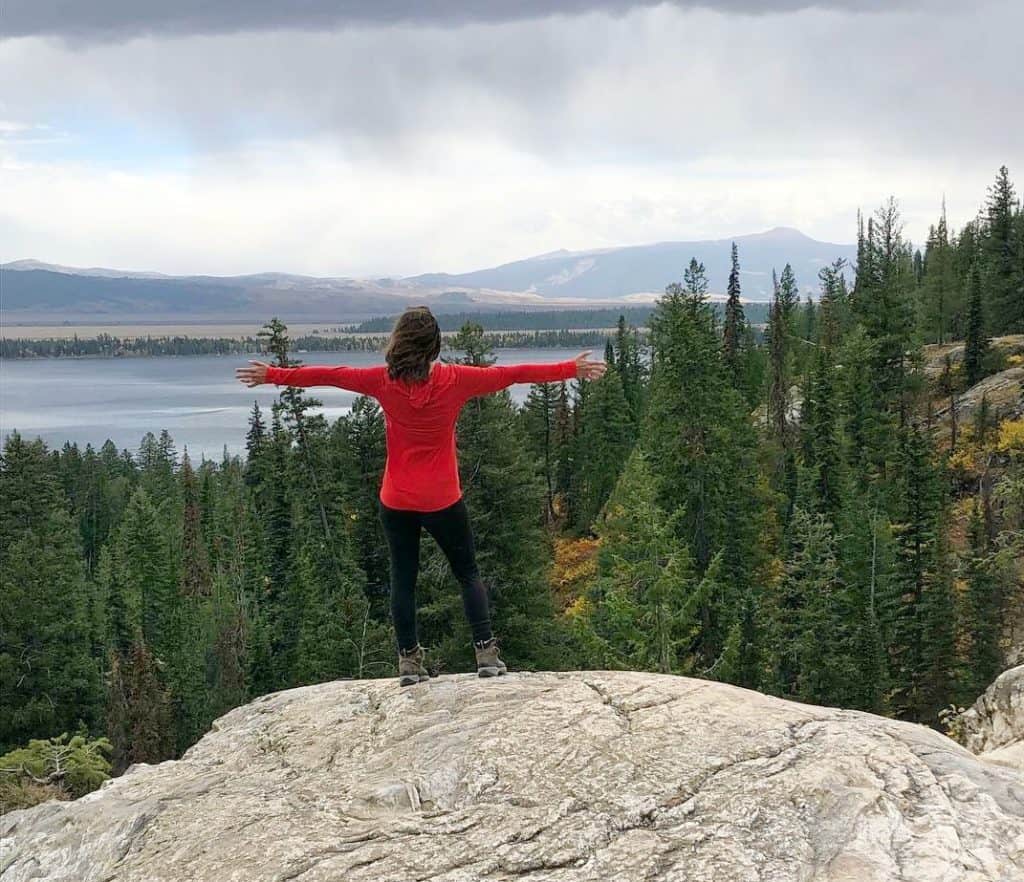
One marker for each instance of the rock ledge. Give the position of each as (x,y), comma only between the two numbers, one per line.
(589,775)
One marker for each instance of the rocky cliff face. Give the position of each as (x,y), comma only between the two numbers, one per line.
(993,727)
(568,776)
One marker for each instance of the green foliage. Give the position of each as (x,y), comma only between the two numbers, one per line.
(1004,256)
(982,615)
(604,437)
(62,767)
(539,415)
(940,300)
(918,605)
(732,331)
(977,339)
(646,606)
(139,710)
(807,641)
(701,444)
(48,679)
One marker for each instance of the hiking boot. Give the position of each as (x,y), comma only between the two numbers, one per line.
(410,666)
(487,662)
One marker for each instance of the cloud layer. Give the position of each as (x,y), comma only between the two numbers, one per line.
(411,148)
(115,19)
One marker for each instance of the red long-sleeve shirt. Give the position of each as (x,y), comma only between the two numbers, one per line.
(421,472)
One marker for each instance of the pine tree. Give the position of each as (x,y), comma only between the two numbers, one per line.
(977,341)
(139,581)
(947,387)
(275,505)
(227,661)
(140,724)
(781,362)
(812,628)
(333,612)
(733,330)
(726,668)
(294,406)
(866,428)
(938,301)
(864,557)
(563,441)
(538,419)
(609,353)
(158,460)
(237,567)
(48,677)
(882,303)
(1003,270)
(789,297)
(821,472)
(630,367)
(606,435)
(645,607)
(701,447)
(983,614)
(575,516)
(195,579)
(363,464)
(983,421)
(938,614)
(916,532)
(809,330)
(834,309)
(255,443)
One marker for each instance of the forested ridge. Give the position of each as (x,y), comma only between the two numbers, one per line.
(111,346)
(814,512)
(535,330)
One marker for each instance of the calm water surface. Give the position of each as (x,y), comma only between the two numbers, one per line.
(197,399)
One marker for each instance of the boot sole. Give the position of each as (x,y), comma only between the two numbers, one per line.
(491,671)
(411,680)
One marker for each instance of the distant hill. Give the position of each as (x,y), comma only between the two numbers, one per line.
(46,295)
(617,272)
(32,291)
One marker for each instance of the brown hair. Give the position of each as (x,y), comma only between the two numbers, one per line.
(415,342)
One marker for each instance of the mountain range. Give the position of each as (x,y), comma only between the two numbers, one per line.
(32,291)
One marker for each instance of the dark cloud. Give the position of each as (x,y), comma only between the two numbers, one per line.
(655,85)
(120,19)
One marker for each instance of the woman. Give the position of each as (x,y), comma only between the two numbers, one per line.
(421,399)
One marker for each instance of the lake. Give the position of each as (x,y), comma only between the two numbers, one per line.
(197,399)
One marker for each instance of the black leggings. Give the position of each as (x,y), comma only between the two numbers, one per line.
(450,529)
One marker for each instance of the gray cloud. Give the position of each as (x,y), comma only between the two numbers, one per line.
(120,19)
(656,85)
(480,143)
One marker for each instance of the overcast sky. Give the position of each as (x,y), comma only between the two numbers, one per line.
(392,137)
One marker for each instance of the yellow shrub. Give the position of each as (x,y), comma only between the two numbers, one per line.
(574,567)
(1011,436)
(964,459)
(580,606)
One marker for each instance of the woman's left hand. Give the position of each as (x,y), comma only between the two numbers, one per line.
(254,375)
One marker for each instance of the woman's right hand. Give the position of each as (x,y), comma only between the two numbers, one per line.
(587,369)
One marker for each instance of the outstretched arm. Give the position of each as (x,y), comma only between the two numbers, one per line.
(475,381)
(365,381)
